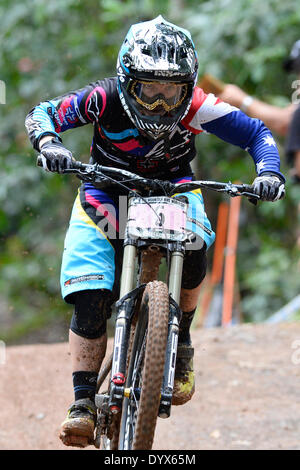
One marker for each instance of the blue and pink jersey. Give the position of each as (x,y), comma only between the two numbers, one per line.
(92,254)
(118,143)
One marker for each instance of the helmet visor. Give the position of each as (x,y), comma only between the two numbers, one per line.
(152,95)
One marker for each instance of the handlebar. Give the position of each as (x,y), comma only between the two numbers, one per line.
(103,176)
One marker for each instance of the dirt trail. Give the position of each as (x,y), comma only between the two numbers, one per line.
(247,393)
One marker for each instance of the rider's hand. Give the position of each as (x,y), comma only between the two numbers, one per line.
(269,187)
(56,157)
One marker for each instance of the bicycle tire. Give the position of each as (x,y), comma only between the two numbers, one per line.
(146,369)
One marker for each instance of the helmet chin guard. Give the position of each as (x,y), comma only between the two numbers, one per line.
(156,52)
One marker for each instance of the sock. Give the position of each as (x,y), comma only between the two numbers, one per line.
(84,384)
(184,327)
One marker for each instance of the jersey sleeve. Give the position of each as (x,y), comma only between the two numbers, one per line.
(68,111)
(209,114)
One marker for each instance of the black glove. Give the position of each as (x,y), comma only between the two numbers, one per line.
(56,157)
(269,186)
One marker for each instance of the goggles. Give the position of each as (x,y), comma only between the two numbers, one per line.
(151,95)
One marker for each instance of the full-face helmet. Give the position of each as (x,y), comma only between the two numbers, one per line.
(157,71)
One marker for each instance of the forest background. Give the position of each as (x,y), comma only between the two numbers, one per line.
(49,48)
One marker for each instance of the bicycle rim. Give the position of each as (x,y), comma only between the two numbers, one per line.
(146,368)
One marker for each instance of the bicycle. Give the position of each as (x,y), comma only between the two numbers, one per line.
(142,365)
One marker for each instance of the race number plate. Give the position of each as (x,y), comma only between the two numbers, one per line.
(157,218)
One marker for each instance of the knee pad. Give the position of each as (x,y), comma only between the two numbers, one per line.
(194,268)
(92,308)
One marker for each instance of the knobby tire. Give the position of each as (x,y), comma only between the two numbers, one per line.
(146,369)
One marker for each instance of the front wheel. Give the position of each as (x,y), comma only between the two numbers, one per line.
(146,369)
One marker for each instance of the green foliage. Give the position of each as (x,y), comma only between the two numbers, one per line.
(50,47)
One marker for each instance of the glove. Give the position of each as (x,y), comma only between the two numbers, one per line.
(269,187)
(55,156)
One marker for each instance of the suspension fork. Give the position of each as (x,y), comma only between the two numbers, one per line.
(150,261)
(125,308)
(175,276)
(128,269)
(175,315)
(127,283)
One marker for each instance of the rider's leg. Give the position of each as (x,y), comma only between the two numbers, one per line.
(195,262)
(87,339)
(87,342)
(194,270)
(90,268)
(188,304)
(86,357)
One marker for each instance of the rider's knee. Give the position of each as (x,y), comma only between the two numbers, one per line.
(194,268)
(92,308)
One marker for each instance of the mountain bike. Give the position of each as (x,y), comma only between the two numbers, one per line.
(142,365)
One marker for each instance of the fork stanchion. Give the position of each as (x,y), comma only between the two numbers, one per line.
(127,279)
(175,275)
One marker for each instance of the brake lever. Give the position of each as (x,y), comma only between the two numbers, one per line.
(252,197)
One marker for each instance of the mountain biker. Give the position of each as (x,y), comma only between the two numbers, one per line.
(145,120)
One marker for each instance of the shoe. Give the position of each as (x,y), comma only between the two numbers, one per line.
(78,428)
(184,383)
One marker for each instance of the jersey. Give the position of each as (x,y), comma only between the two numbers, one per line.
(118,143)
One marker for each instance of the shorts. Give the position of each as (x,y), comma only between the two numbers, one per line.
(93,248)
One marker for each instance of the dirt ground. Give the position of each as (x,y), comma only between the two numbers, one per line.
(247,393)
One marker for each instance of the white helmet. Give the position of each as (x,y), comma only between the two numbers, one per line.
(157,71)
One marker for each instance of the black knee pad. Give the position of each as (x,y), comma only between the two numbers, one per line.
(92,309)
(194,268)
